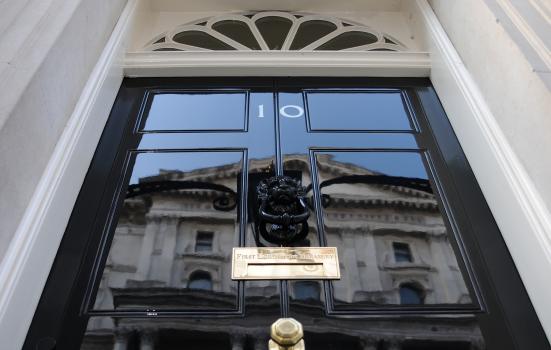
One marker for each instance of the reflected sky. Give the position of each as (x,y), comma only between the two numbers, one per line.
(406,164)
(149,164)
(357,111)
(197,111)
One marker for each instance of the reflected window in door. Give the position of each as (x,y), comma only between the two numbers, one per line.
(402,253)
(203,242)
(200,280)
(411,295)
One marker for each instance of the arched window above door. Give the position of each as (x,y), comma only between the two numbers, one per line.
(273,31)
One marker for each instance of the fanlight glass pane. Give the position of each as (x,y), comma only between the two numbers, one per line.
(376,199)
(274,30)
(310,31)
(153,262)
(167,49)
(201,39)
(238,31)
(357,110)
(348,40)
(196,110)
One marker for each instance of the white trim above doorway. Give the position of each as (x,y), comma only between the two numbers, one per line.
(518,208)
(277,63)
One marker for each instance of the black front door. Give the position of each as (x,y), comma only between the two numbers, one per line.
(145,262)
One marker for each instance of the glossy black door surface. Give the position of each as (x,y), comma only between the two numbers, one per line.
(145,261)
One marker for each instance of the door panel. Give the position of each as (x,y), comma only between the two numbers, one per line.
(381,211)
(195,110)
(145,261)
(404,281)
(357,110)
(175,220)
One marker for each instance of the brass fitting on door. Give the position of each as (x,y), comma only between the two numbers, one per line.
(286,334)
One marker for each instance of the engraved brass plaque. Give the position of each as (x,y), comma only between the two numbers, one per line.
(285,263)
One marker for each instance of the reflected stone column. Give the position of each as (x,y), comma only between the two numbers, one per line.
(147,340)
(477,344)
(369,343)
(395,344)
(151,230)
(446,285)
(351,265)
(237,341)
(121,339)
(260,343)
(372,279)
(169,230)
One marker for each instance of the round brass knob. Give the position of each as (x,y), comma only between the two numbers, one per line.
(287,331)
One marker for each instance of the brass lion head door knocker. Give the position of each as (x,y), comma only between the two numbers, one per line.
(283,213)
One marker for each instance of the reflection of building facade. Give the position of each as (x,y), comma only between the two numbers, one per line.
(172,250)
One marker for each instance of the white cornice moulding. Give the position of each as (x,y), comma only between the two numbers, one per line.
(519,210)
(251,63)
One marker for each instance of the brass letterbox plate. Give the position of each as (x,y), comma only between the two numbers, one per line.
(285,263)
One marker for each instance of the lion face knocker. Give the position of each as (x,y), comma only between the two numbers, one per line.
(282,210)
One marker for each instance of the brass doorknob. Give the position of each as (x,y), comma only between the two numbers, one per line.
(286,334)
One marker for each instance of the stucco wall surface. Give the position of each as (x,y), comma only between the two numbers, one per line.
(44,65)
(516,95)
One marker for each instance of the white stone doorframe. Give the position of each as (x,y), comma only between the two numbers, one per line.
(517,207)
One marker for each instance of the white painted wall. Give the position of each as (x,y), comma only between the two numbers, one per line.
(516,95)
(501,128)
(83,97)
(44,65)
(529,25)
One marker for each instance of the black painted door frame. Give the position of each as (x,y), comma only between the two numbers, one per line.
(504,311)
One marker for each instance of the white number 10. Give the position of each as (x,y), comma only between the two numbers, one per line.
(283,111)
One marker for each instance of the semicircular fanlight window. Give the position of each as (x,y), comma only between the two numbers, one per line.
(201,39)
(273,30)
(238,31)
(310,31)
(348,40)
